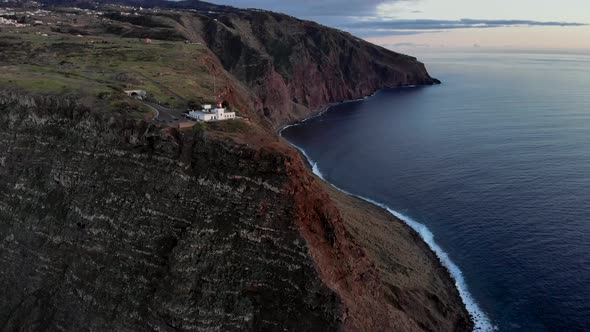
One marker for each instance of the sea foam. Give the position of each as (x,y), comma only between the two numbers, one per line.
(481,321)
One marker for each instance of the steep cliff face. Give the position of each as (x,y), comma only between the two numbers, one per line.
(296,66)
(108,225)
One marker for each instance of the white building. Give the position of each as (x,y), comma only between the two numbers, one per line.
(209,114)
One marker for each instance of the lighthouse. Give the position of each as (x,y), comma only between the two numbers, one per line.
(208,114)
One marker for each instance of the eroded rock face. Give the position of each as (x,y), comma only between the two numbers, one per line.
(109,226)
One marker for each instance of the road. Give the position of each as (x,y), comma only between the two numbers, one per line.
(166,115)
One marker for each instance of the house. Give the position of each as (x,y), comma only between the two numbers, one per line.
(201,116)
(212,114)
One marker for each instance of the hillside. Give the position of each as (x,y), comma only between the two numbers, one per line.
(113,220)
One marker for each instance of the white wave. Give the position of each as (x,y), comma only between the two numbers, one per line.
(481,321)
(314,165)
(316,170)
(287,126)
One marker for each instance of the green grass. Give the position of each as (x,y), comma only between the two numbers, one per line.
(103,67)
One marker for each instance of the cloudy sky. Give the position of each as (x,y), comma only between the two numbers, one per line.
(447,23)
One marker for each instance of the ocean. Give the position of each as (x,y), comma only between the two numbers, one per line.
(492,168)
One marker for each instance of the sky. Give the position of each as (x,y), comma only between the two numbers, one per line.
(501,24)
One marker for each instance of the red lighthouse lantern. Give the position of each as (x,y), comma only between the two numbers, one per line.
(220,104)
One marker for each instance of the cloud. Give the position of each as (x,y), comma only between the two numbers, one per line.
(373,18)
(379,27)
(369,33)
(394,45)
(314,8)
(448,24)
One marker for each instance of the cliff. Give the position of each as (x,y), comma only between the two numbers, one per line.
(110,223)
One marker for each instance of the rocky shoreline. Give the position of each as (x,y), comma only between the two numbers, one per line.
(382,216)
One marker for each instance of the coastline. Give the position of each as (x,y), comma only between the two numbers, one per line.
(325,108)
(422,233)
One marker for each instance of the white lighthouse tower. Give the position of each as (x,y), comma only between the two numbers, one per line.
(221,114)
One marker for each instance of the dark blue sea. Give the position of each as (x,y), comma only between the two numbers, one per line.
(492,168)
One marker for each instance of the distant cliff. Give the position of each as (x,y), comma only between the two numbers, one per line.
(296,66)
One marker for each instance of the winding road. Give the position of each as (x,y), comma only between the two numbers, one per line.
(164,114)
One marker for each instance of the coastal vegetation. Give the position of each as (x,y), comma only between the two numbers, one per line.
(99,68)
